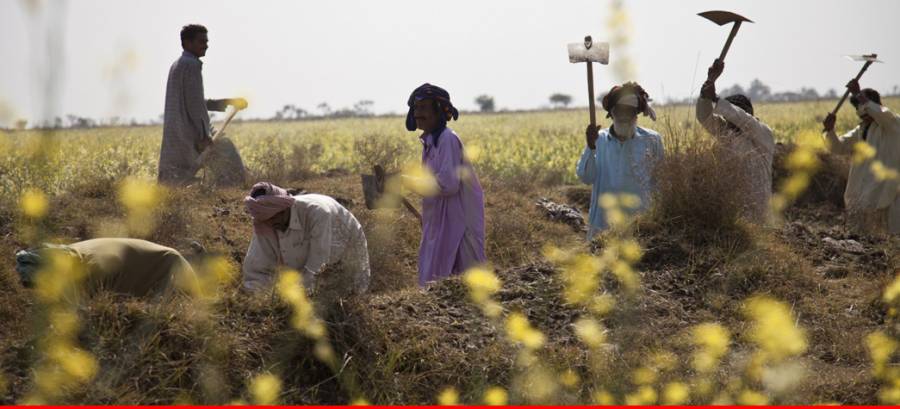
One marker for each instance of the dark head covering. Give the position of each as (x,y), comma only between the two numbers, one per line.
(435,93)
(870,93)
(616,92)
(29,262)
(741,102)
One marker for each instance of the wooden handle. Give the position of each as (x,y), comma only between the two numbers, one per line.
(847,92)
(204,156)
(593,109)
(380,176)
(412,209)
(228,119)
(734,30)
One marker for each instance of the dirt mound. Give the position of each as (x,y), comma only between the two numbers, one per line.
(826,186)
(562,213)
(224,166)
(416,342)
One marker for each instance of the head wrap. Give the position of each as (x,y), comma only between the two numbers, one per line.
(29,262)
(440,96)
(262,208)
(870,93)
(741,102)
(631,94)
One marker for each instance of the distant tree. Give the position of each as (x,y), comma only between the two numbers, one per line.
(324,108)
(560,100)
(759,91)
(21,124)
(290,112)
(895,90)
(809,93)
(363,107)
(831,94)
(485,103)
(734,90)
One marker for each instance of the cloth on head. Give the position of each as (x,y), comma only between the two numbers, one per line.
(741,102)
(263,207)
(28,262)
(629,100)
(622,94)
(433,92)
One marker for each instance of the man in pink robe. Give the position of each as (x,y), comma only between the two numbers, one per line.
(453,219)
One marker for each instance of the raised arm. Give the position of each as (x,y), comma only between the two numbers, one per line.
(220,105)
(704,111)
(880,114)
(842,145)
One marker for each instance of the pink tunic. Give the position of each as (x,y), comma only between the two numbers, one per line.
(452,220)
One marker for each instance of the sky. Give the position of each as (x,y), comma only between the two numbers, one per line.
(104,58)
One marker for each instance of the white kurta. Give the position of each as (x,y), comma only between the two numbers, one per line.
(321,232)
(751,141)
(865,193)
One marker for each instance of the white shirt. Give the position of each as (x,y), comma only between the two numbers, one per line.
(752,142)
(864,190)
(319,233)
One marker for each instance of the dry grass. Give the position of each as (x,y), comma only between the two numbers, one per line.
(401,344)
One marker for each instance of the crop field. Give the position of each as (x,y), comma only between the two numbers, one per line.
(663,309)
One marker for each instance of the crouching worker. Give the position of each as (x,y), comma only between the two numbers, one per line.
(305,233)
(120,265)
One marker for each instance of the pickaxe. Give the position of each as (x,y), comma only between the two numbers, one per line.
(590,52)
(869,59)
(724,17)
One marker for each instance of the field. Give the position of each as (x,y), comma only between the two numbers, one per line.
(665,310)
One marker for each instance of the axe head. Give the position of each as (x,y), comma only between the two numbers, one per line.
(867,57)
(723,17)
(589,51)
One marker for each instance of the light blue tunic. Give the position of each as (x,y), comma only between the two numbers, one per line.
(619,167)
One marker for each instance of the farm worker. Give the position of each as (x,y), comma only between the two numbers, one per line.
(872,195)
(121,265)
(453,218)
(620,159)
(304,232)
(186,127)
(744,138)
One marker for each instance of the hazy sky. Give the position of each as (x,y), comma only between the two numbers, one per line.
(115,54)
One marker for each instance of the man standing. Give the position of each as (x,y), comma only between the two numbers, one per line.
(744,137)
(186,127)
(620,159)
(871,196)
